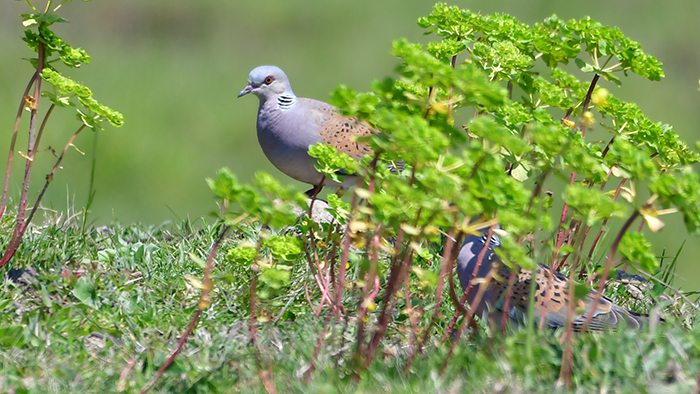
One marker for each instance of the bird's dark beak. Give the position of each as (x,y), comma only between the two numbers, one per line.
(245,91)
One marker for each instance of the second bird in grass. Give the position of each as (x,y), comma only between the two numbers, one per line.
(606,316)
(287,125)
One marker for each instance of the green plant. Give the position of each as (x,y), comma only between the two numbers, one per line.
(65,92)
(530,127)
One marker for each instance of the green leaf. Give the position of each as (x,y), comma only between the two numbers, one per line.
(486,127)
(86,291)
(637,249)
(48,19)
(60,101)
(225,185)
(580,291)
(12,336)
(243,255)
(275,278)
(513,254)
(114,117)
(585,67)
(331,163)
(138,256)
(284,247)
(64,84)
(45,297)
(592,205)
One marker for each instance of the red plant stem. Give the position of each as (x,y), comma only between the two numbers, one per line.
(315,271)
(318,276)
(605,152)
(10,155)
(588,100)
(364,300)
(308,297)
(569,236)
(453,294)
(467,291)
(461,310)
(450,105)
(411,318)
(458,304)
(600,231)
(204,302)
(449,244)
(317,348)
(455,317)
(564,210)
(565,370)
(427,111)
(580,250)
(21,210)
(344,254)
(327,250)
(330,273)
(547,294)
(32,152)
(15,241)
(399,270)
(121,385)
(387,310)
(537,191)
(398,274)
(49,177)
(606,270)
(30,143)
(468,318)
(171,359)
(346,242)
(562,220)
(508,300)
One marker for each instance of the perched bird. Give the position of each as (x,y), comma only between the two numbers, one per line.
(287,125)
(607,315)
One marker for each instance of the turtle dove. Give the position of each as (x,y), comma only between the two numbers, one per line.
(287,125)
(607,315)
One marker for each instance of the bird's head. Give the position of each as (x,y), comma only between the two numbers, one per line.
(267,82)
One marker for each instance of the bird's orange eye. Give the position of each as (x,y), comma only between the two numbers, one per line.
(269,80)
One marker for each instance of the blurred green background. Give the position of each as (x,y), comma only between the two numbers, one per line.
(173,68)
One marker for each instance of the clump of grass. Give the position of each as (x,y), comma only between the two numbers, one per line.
(104,309)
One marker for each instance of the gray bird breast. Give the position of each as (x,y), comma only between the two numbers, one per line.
(285,139)
(466,262)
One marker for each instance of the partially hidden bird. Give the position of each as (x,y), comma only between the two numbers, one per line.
(606,316)
(287,125)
